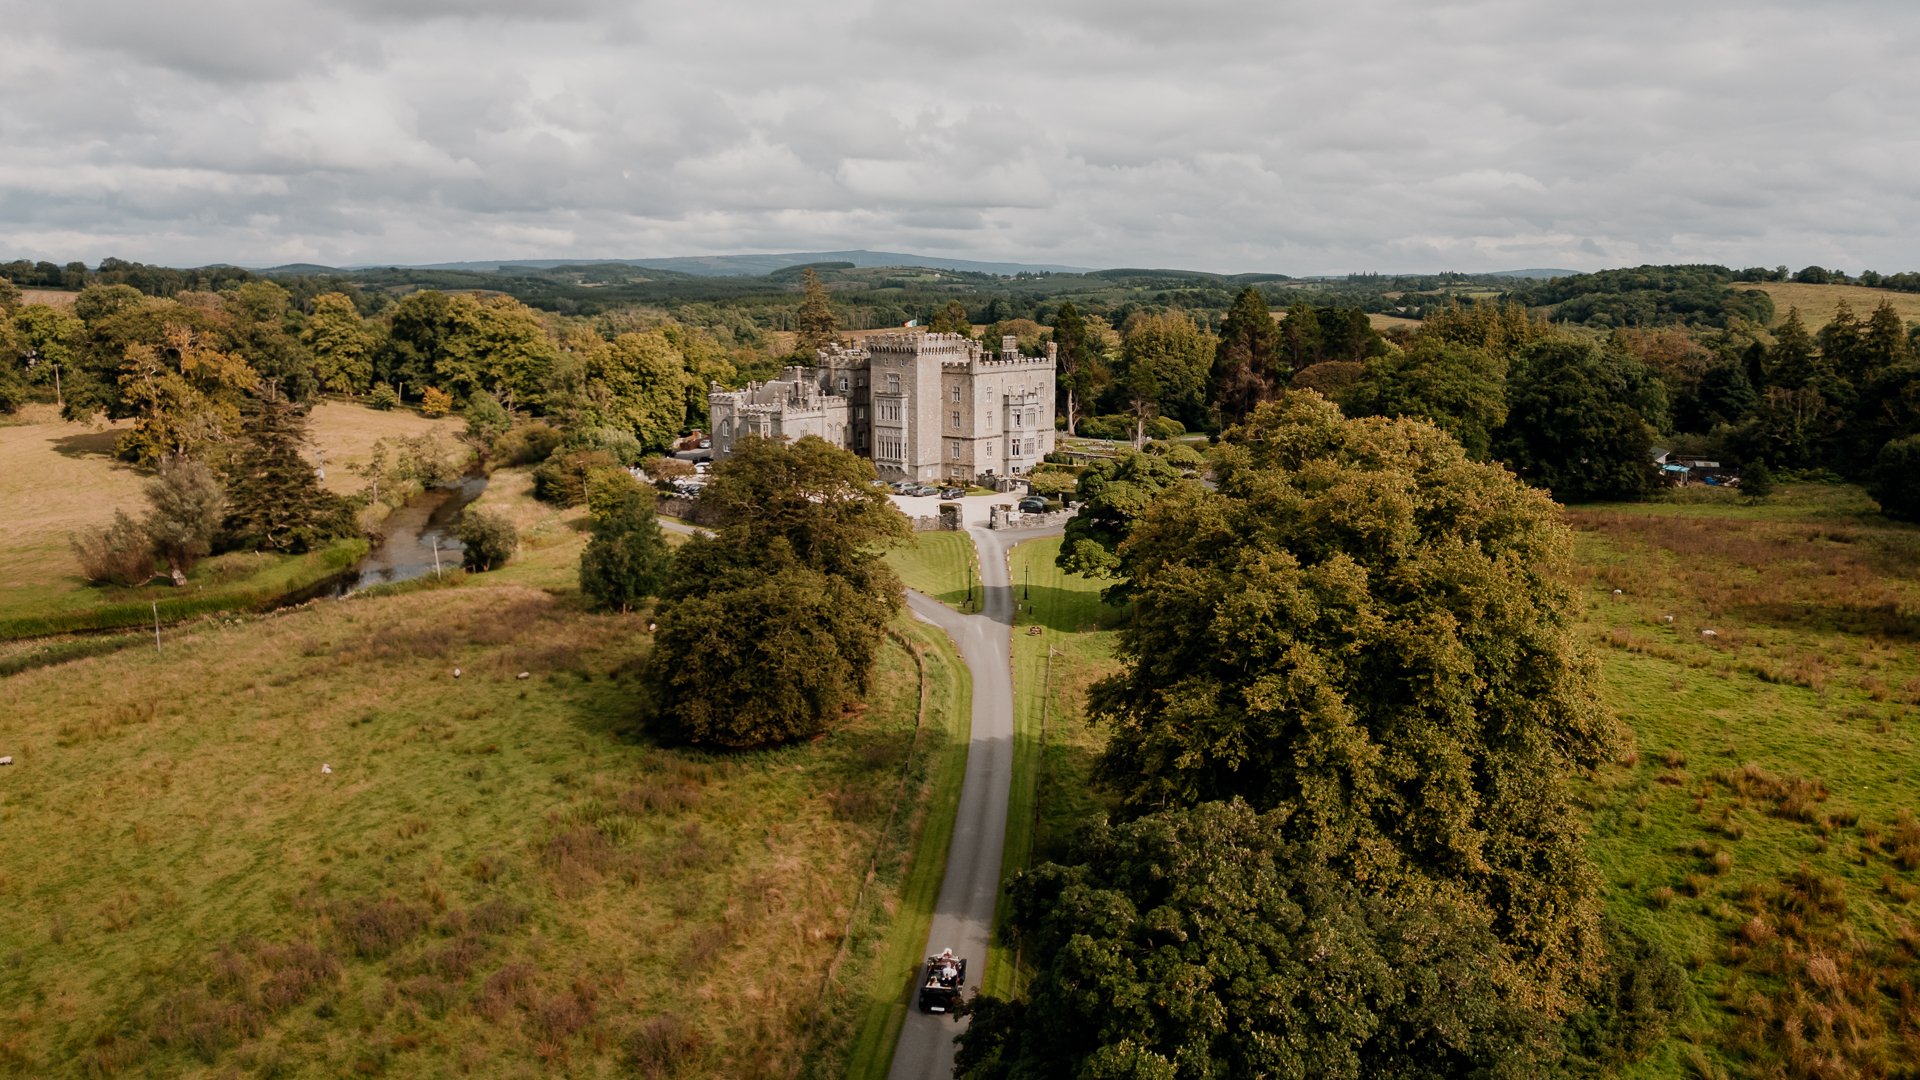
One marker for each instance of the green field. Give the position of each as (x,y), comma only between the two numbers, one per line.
(498,874)
(941,564)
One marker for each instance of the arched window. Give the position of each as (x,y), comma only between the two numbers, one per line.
(726,429)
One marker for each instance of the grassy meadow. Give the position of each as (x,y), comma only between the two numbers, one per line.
(58,478)
(1818,303)
(498,874)
(1762,828)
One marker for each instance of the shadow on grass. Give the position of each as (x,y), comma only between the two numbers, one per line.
(86,444)
(1069,611)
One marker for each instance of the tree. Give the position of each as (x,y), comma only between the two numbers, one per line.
(628,558)
(1756,480)
(418,330)
(1165,361)
(1580,421)
(184,508)
(1247,362)
(342,346)
(1895,480)
(120,553)
(49,336)
(1461,389)
(952,319)
(494,345)
(1884,343)
(1794,360)
(1372,634)
(768,628)
(1113,494)
(1074,360)
(185,397)
(257,316)
(639,382)
(487,538)
(1724,396)
(817,326)
(274,500)
(1300,337)
(1209,943)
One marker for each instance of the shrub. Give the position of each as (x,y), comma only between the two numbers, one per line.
(383,397)
(562,480)
(489,538)
(120,553)
(1756,480)
(435,402)
(1165,427)
(621,445)
(607,490)
(1895,482)
(659,1046)
(527,444)
(183,515)
(486,420)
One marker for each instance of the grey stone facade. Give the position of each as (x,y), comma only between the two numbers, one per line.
(922,406)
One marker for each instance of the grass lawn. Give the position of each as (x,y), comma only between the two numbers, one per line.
(58,478)
(1052,795)
(938,564)
(498,875)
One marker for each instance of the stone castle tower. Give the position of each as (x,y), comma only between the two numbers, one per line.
(923,406)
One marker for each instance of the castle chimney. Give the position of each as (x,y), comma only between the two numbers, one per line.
(1010,345)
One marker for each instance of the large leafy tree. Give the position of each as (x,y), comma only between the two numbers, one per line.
(772,625)
(639,384)
(1166,360)
(1205,943)
(419,327)
(184,505)
(1461,389)
(1248,367)
(1580,421)
(494,345)
(1370,633)
(185,397)
(52,336)
(342,346)
(1113,494)
(258,328)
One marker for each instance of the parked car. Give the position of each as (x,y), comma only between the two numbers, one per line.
(952,492)
(903,487)
(1033,504)
(924,490)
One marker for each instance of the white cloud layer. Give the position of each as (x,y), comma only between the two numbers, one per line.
(1217,134)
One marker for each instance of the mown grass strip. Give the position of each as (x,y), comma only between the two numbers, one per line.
(941,564)
(888,989)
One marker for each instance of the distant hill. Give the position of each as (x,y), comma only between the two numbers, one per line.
(1535,273)
(728,265)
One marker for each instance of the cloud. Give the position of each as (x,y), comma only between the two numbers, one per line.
(1219,134)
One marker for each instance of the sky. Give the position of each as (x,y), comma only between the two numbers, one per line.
(1219,135)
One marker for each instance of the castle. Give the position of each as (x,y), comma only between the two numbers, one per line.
(923,406)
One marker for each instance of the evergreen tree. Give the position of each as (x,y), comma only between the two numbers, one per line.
(1895,481)
(1300,337)
(1073,377)
(1885,341)
(1842,343)
(1724,396)
(1756,480)
(628,558)
(1580,421)
(274,500)
(1246,363)
(1794,359)
(818,328)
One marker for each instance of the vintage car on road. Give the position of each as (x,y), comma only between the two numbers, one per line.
(940,984)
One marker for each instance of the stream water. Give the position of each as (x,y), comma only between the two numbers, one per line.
(419,536)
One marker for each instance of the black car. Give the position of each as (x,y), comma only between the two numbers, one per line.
(952,492)
(941,982)
(1033,504)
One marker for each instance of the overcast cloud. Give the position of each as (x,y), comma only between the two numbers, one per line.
(1218,135)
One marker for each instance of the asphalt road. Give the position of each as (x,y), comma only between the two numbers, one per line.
(963,916)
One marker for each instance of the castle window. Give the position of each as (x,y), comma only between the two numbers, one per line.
(843,384)
(956,395)
(893,384)
(1017,417)
(956,451)
(956,420)
(726,429)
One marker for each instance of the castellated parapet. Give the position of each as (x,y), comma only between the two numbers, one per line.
(922,406)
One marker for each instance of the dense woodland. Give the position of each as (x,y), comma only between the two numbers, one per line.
(1568,381)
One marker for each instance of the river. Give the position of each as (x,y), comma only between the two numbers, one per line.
(420,535)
